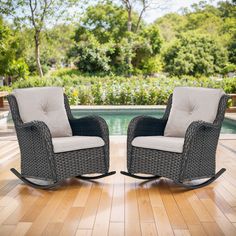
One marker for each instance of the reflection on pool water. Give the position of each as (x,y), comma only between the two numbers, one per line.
(118,119)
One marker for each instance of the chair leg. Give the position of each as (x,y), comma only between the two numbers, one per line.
(96,177)
(139,176)
(207,182)
(31,184)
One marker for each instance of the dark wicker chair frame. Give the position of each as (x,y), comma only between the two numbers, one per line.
(197,161)
(38,160)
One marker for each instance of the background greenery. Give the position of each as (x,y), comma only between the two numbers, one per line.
(118,90)
(114,66)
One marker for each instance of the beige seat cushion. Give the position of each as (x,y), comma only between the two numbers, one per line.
(191,104)
(44,104)
(169,144)
(66,144)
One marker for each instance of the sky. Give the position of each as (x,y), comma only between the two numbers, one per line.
(152,14)
(172,6)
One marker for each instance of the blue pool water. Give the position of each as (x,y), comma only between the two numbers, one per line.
(118,119)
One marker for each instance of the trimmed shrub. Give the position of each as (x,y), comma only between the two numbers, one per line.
(114,90)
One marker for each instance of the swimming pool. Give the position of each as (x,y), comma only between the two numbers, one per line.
(118,119)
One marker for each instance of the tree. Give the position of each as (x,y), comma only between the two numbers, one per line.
(12,63)
(146,45)
(216,23)
(227,8)
(106,21)
(38,14)
(129,5)
(171,25)
(140,7)
(91,56)
(195,54)
(232,49)
(102,36)
(102,25)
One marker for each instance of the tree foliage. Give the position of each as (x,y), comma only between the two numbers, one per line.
(92,56)
(11,54)
(105,20)
(37,14)
(103,43)
(232,49)
(195,54)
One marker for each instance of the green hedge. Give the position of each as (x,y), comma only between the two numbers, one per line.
(111,90)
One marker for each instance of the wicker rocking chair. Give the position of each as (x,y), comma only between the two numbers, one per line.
(54,145)
(182,144)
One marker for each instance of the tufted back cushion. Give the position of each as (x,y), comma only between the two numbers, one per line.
(44,104)
(191,104)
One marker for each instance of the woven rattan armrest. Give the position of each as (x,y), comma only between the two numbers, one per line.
(199,137)
(197,126)
(143,126)
(41,128)
(196,131)
(146,126)
(40,125)
(90,126)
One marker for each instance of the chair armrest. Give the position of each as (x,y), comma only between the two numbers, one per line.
(146,126)
(39,125)
(201,138)
(90,126)
(41,128)
(35,136)
(143,126)
(200,125)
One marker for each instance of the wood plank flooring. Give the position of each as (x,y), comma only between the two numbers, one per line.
(118,205)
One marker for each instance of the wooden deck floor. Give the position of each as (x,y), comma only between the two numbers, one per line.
(118,205)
